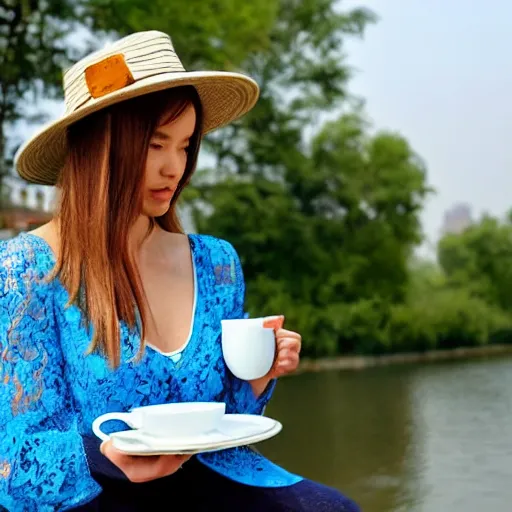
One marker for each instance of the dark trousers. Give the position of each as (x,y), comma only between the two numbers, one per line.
(200,489)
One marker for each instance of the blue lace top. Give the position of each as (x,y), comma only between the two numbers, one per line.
(51,392)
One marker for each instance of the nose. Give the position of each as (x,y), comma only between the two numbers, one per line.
(173,165)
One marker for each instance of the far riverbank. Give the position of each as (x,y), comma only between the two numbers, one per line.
(363,362)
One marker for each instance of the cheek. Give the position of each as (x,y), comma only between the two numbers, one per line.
(183,163)
(175,164)
(151,168)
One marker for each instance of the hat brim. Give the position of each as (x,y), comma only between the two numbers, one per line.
(225,97)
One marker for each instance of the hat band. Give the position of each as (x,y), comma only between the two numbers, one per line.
(102,86)
(107,76)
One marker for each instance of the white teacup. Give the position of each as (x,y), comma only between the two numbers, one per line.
(248,348)
(184,419)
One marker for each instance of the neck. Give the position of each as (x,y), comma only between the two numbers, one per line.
(139,233)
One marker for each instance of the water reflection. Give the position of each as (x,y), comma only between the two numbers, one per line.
(429,438)
(461,455)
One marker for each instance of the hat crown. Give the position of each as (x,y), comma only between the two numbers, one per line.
(122,63)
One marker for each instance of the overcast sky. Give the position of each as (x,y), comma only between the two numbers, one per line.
(439,72)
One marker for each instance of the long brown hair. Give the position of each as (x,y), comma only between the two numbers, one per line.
(101,189)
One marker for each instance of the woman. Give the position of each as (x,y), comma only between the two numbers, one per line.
(110,306)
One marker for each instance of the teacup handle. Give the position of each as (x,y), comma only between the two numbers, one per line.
(125,417)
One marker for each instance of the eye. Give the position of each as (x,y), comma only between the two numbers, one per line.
(155,145)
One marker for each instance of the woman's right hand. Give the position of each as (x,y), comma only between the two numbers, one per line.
(141,469)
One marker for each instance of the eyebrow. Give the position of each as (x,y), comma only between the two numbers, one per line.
(161,135)
(164,136)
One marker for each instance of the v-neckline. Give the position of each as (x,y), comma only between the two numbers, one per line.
(181,350)
(46,246)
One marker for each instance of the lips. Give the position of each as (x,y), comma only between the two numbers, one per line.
(162,194)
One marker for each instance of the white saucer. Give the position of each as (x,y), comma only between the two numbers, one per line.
(234,430)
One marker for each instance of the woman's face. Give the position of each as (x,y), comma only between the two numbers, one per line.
(166,162)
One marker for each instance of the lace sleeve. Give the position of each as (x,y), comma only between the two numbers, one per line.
(42,462)
(241,399)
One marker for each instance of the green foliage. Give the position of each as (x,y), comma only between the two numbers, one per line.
(446,318)
(330,243)
(34,47)
(480,258)
(207,34)
(324,213)
(362,326)
(34,51)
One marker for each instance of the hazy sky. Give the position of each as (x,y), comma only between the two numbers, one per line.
(439,72)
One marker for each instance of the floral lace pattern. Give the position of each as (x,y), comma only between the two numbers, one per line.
(52,391)
(255,468)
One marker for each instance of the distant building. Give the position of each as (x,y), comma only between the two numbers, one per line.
(25,207)
(457,219)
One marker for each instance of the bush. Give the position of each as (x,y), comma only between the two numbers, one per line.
(434,316)
(446,318)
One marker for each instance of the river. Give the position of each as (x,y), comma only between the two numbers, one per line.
(412,438)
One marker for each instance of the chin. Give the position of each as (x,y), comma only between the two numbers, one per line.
(155,211)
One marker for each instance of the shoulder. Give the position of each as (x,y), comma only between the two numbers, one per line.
(222,257)
(24,262)
(218,249)
(24,251)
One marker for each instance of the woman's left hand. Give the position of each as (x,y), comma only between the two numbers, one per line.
(288,345)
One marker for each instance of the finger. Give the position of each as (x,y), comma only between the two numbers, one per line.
(123,459)
(169,464)
(285,367)
(291,362)
(279,372)
(283,355)
(143,469)
(287,353)
(182,458)
(128,464)
(288,344)
(273,322)
(285,333)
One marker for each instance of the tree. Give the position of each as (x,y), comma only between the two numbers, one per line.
(302,74)
(321,223)
(334,233)
(479,259)
(34,48)
(207,34)
(371,191)
(262,161)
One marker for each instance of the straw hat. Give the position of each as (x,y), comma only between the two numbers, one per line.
(138,64)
